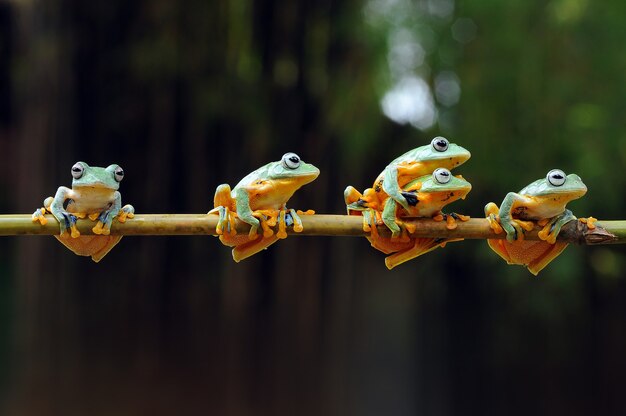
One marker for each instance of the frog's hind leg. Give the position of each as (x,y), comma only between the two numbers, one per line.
(127,211)
(451,219)
(350,196)
(492,214)
(39,214)
(223,204)
(95,246)
(420,246)
(247,249)
(535,255)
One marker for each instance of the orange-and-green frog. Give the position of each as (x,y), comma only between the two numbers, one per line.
(386,194)
(259,199)
(426,196)
(542,202)
(94,194)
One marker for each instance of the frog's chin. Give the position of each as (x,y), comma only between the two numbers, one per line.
(302,179)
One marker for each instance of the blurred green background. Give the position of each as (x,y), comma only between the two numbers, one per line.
(187,95)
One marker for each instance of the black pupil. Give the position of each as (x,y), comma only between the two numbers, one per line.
(294,159)
(557,176)
(444,174)
(441,143)
(75,169)
(120,173)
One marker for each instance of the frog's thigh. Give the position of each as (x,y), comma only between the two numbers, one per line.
(91,245)
(351,195)
(550,252)
(421,246)
(533,254)
(501,248)
(243,251)
(222,196)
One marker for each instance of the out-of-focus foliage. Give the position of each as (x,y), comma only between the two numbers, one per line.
(188,95)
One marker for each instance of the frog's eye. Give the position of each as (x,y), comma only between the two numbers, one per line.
(442,175)
(556,177)
(77,171)
(118,174)
(291,161)
(440,144)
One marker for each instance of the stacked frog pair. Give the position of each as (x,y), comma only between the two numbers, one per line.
(417,184)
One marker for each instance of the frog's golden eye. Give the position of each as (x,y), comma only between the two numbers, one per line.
(77,171)
(440,144)
(118,174)
(442,175)
(291,161)
(556,177)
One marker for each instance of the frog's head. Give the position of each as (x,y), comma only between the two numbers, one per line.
(557,185)
(95,177)
(440,153)
(444,182)
(292,170)
(438,189)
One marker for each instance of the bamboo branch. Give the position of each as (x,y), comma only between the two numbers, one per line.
(606,232)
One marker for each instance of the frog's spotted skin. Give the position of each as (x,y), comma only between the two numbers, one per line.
(426,197)
(94,194)
(259,199)
(542,202)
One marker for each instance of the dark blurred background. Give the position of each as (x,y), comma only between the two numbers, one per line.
(187,95)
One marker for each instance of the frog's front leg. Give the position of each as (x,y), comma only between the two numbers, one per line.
(392,188)
(389,217)
(105,219)
(552,229)
(245,214)
(514,228)
(56,208)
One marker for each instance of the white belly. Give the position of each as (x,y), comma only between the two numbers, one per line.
(90,200)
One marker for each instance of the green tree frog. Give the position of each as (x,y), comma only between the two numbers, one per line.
(543,202)
(387,191)
(94,194)
(426,196)
(259,199)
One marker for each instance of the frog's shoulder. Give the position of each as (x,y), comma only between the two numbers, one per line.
(534,188)
(413,154)
(259,173)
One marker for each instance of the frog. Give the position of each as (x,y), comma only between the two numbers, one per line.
(426,197)
(259,200)
(388,188)
(542,202)
(94,194)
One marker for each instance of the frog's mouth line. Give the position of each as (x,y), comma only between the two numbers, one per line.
(94,185)
(565,192)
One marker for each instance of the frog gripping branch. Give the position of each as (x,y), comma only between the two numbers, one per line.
(542,202)
(259,200)
(416,184)
(94,194)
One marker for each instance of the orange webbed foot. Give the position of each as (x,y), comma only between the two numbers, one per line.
(590,222)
